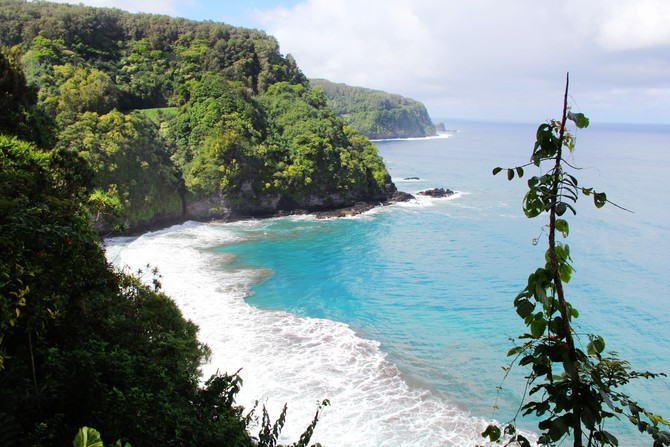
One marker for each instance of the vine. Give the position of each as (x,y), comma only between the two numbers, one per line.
(574,391)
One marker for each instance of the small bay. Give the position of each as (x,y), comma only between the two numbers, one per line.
(401,316)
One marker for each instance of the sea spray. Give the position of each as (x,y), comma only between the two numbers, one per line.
(285,358)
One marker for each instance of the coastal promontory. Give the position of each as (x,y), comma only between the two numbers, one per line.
(179,119)
(377,114)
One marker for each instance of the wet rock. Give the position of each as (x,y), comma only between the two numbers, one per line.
(401,196)
(437,192)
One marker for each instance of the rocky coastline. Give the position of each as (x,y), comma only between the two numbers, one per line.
(222,209)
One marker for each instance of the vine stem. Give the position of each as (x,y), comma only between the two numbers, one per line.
(558,284)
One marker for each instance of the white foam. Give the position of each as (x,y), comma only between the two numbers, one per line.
(440,135)
(285,358)
(421,201)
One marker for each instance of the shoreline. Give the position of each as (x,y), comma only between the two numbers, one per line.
(356,208)
(439,135)
(344,355)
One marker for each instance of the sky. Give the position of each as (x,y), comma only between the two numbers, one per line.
(470,59)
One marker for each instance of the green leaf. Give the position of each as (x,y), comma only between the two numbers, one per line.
(496,170)
(514,351)
(599,344)
(541,294)
(563,227)
(519,172)
(560,208)
(611,438)
(537,327)
(579,119)
(524,308)
(510,174)
(599,199)
(87,437)
(492,432)
(558,428)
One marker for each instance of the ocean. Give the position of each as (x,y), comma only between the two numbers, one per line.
(402,316)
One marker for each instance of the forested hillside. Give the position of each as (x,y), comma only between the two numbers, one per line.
(81,344)
(127,120)
(377,114)
(183,119)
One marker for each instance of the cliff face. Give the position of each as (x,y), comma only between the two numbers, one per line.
(377,114)
(182,119)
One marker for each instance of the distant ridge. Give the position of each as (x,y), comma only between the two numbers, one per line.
(375,113)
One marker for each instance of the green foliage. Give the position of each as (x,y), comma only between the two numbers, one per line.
(572,391)
(131,164)
(377,114)
(285,143)
(228,139)
(84,90)
(215,132)
(159,115)
(40,221)
(147,57)
(316,154)
(268,435)
(19,113)
(81,344)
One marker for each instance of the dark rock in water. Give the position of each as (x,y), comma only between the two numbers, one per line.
(440,127)
(400,196)
(437,192)
(357,208)
(411,178)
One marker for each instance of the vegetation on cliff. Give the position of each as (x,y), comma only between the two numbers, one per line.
(82,344)
(106,115)
(211,129)
(377,114)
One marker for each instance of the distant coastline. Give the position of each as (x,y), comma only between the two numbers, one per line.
(375,113)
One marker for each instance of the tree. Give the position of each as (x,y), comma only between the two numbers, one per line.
(132,166)
(19,113)
(573,390)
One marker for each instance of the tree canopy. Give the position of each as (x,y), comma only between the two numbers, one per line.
(181,119)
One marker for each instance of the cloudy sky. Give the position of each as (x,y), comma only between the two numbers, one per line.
(474,59)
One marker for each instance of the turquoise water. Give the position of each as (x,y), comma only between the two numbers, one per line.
(434,284)
(425,289)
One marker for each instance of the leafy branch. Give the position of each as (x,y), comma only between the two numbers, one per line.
(574,392)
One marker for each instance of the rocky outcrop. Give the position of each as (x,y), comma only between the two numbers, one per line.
(401,196)
(357,208)
(219,207)
(437,192)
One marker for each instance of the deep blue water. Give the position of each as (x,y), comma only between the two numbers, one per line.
(434,284)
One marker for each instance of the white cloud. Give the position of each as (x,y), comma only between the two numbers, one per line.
(483,58)
(624,24)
